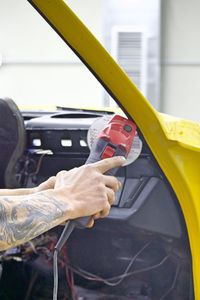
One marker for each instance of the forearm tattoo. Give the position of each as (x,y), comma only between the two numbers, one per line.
(23,218)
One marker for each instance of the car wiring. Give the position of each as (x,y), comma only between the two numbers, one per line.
(108,282)
(69,273)
(90,276)
(173,283)
(117,279)
(29,164)
(70,281)
(63,260)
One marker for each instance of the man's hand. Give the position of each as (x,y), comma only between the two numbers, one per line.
(83,191)
(46,185)
(87,191)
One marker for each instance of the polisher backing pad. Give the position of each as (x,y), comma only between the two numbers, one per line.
(99,124)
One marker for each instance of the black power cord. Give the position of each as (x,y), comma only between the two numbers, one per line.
(55,274)
(69,227)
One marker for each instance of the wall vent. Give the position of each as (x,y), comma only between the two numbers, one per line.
(128,48)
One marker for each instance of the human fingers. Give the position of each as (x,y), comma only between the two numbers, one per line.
(105,211)
(90,223)
(60,177)
(63,223)
(109,163)
(97,216)
(112,182)
(111,195)
(111,198)
(51,181)
(48,184)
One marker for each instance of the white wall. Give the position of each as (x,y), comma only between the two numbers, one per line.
(38,68)
(181,58)
(25,37)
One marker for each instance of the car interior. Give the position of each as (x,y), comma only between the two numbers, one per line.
(140,251)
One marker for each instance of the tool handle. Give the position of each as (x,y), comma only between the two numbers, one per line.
(69,227)
(98,149)
(114,140)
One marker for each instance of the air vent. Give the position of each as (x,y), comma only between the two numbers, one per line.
(128,49)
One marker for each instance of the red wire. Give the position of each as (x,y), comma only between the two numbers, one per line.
(70,277)
(67,276)
(72,281)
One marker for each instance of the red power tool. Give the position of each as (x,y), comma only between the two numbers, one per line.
(115,139)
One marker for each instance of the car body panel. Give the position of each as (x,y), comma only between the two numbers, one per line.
(175,143)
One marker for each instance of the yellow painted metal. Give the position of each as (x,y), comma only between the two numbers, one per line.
(175,143)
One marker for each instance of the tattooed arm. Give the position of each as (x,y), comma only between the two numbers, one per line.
(80,192)
(24,217)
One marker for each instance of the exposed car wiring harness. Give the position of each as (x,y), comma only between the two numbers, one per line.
(27,167)
(45,245)
(116,280)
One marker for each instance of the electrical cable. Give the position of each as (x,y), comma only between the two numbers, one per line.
(107,281)
(63,238)
(39,163)
(25,170)
(69,273)
(129,266)
(173,283)
(55,274)
(70,281)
